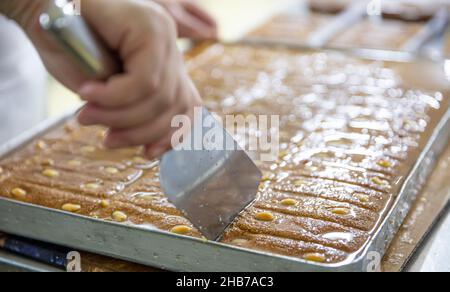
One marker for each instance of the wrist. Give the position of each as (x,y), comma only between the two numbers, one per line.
(24,12)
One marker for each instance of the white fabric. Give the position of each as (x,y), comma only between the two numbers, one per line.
(23,81)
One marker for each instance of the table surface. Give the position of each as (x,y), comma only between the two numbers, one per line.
(434,255)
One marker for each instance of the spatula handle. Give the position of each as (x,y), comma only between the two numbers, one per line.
(75,37)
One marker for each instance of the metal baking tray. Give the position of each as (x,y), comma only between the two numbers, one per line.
(321,37)
(168,251)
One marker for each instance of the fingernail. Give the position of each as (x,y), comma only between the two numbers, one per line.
(156,152)
(110,142)
(84,118)
(213,34)
(86,91)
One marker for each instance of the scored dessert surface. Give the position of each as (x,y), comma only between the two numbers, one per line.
(350,132)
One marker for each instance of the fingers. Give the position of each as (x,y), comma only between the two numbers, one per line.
(121,90)
(149,107)
(189,26)
(121,118)
(143,58)
(149,133)
(201,14)
(193,22)
(93,114)
(141,78)
(156,150)
(164,144)
(159,124)
(138,104)
(155,132)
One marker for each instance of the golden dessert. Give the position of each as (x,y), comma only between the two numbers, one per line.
(291,27)
(68,169)
(377,34)
(350,132)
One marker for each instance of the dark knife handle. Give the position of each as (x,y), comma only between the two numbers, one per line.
(42,252)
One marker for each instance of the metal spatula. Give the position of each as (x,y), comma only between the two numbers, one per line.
(212,182)
(211,187)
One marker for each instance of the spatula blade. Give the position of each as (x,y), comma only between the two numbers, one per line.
(210,187)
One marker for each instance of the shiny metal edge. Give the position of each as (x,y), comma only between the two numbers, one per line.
(155,248)
(168,251)
(411,188)
(348,17)
(40,129)
(435,26)
(369,54)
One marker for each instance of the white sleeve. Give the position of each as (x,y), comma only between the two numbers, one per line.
(23,82)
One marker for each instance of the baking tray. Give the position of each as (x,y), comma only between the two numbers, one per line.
(180,253)
(323,34)
(321,37)
(434,28)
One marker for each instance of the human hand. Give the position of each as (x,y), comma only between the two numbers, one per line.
(192,21)
(138,104)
